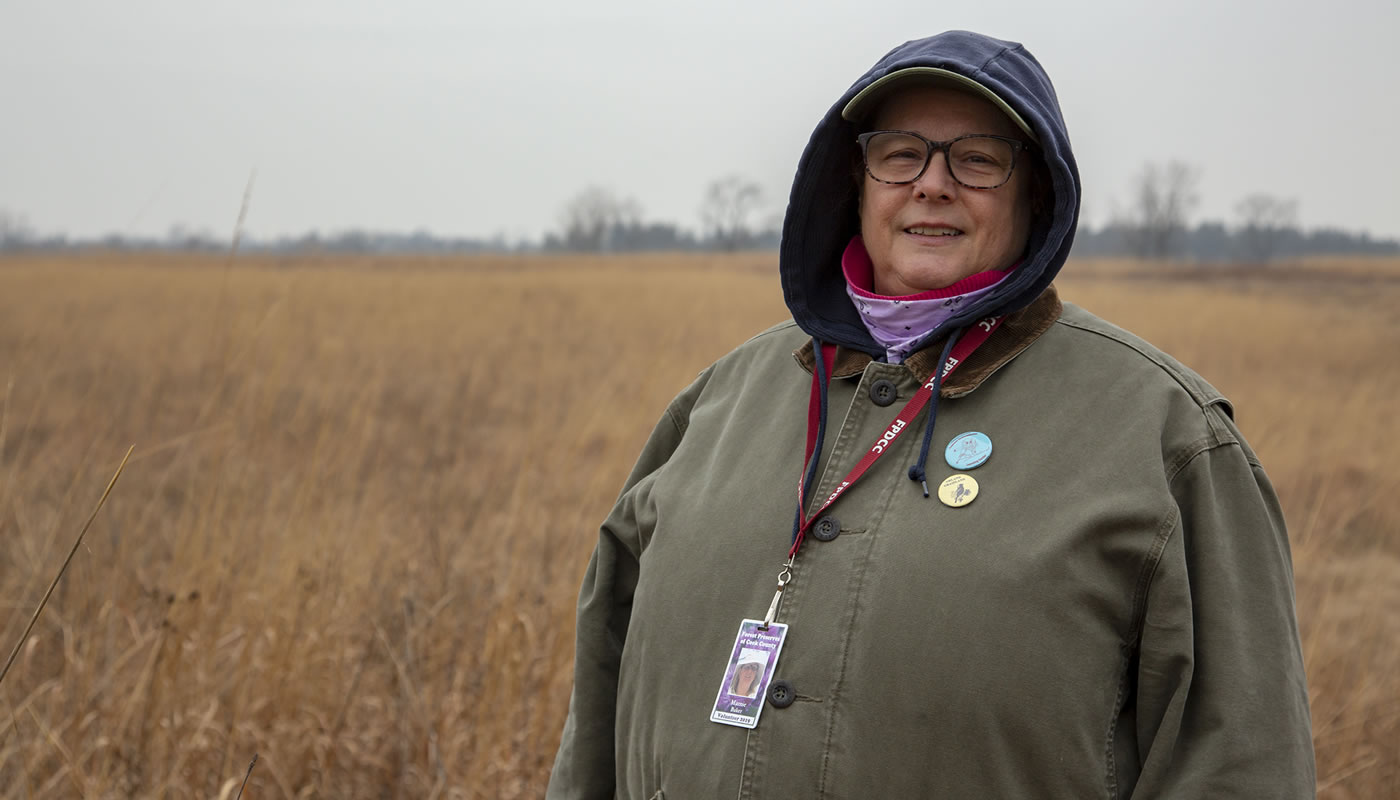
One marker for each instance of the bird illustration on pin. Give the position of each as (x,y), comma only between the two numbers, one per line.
(968,450)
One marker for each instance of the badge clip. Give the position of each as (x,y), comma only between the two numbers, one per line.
(783,578)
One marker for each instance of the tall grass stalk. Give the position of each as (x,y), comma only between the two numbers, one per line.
(39,609)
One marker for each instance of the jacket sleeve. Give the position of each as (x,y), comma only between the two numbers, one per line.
(1221,699)
(584,767)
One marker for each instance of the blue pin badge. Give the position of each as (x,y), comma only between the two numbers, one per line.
(968,450)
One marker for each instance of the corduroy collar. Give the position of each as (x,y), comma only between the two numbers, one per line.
(1017,332)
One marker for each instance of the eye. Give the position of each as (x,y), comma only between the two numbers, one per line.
(906,154)
(894,147)
(976,157)
(982,155)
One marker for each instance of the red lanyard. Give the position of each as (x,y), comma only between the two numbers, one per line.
(970,341)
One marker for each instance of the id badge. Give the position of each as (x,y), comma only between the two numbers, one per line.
(750,670)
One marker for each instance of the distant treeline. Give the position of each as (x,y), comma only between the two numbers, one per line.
(637,237)
(1207,241)
(1214,241)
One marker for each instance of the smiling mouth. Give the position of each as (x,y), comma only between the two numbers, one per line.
(933,231)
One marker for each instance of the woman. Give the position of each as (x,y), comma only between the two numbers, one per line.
(745,680)
(1062,573)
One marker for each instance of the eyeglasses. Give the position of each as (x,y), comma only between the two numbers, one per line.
(977,161)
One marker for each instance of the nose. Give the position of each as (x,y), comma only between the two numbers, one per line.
(937,180)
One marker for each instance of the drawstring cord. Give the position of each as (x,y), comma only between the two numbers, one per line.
(916,472)
(810,478)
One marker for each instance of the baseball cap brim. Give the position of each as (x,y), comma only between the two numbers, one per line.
(868,99)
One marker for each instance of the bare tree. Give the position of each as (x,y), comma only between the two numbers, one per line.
(594,216)
(1163,197)
(725,211)
(15,232)
(1263,218)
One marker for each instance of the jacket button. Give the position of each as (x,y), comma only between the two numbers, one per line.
(883,392)
(781,694)
(827,528)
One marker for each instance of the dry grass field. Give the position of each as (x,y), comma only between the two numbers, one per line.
(364,492)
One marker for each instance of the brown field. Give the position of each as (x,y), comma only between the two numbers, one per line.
(364,492)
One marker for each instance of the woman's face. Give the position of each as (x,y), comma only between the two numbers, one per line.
(747,674)
(934,232)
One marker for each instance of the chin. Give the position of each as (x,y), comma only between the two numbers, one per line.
(923,279)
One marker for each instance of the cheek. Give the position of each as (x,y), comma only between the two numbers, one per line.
(869,220)
(1013,223)
(876,208)
(863,203)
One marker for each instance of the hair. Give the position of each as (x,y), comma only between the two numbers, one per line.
(750,667)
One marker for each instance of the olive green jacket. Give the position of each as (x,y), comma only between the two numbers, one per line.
(1112,617)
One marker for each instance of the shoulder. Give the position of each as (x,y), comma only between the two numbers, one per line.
(762,360)
(1128,351)
(1098,368)
(771,348)
(779,335)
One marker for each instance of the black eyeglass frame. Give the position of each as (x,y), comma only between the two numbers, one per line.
(932,147)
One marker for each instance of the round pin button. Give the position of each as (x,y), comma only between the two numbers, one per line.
(968,450)
(957,490)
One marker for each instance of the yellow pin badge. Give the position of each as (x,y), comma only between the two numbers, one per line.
(958,490)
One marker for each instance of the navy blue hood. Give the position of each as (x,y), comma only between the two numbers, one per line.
(822,213)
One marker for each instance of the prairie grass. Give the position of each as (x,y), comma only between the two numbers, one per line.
(365,489)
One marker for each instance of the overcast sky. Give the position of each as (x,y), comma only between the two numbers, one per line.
(470,118)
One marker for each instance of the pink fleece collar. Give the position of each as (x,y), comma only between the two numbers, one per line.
(899,323)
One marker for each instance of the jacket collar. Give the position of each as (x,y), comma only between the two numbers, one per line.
(1017,332)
